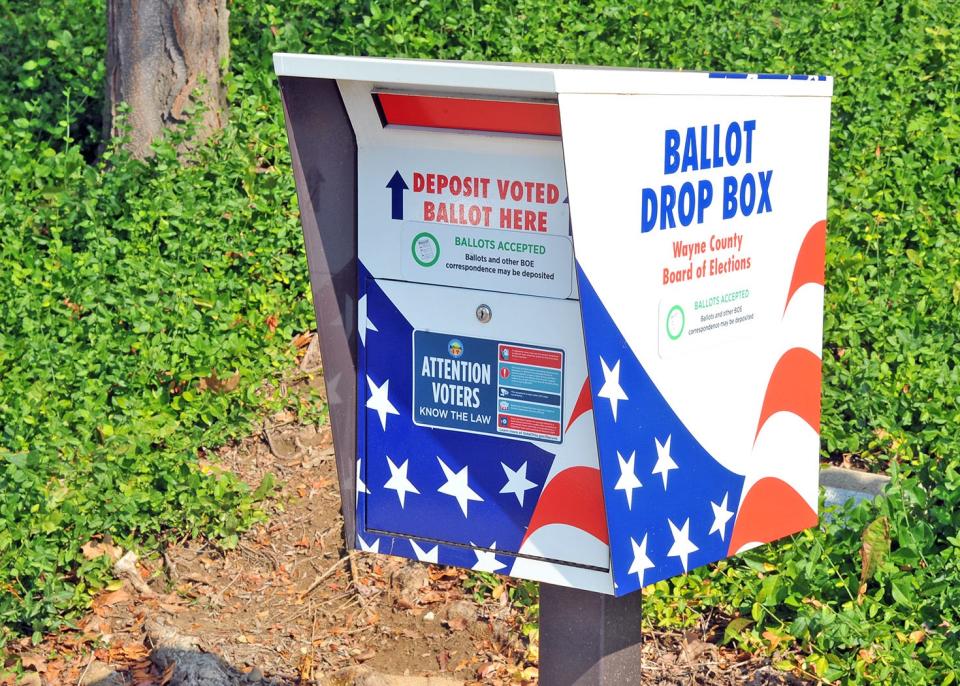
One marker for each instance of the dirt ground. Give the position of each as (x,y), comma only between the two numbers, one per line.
(291,606)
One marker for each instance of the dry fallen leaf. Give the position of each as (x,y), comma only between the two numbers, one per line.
(302,340)
(34,662)
(457,624)
(131,652)
(367,654)
(142,674)
(305,668)
(874,550)
(217,385)
(284,417)
(53,673)
(530,674)
(112,598)
(431,597)
(94,549)
(773,639)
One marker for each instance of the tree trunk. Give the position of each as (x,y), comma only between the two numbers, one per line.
(159,52)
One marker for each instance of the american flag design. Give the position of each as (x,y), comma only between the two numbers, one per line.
(667,459)
(527,508)
(655,503)
(673,502)
(671,506)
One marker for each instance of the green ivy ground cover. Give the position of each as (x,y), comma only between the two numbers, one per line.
(126,283)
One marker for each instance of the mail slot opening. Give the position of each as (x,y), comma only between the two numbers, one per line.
(495,115)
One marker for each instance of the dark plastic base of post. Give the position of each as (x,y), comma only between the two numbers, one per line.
(588,639)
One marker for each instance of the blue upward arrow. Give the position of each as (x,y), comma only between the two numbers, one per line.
(397,186)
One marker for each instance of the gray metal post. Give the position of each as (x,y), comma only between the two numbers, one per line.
(588,639)
(323,151)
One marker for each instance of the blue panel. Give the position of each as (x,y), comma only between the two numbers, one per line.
(726,75)
(439,502)
(791,77)
(650,524)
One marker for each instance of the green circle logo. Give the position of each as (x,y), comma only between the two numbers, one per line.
(426,249)
(676,320)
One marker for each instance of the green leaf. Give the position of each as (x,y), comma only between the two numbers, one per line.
(267,484)
(874,548)
(735,628)
(901,592)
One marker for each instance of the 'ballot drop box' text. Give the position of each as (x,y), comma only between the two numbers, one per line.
(578,311)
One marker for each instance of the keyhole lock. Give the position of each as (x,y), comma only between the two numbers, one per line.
(484,313)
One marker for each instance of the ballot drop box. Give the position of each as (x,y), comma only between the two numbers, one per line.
(570,318)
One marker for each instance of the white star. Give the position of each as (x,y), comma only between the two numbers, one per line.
(398,480)
(517,482)
(682,545)
(628,480)
(458,487)
(375,548)
(611,386)
(665,463)
(379,402)
(487,561)
(363,323)
(721,515)
(361,487)
(424,556)
(641,562)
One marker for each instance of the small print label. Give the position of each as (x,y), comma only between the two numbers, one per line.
(486,386)
(488,259)
(703,317)
(528,374)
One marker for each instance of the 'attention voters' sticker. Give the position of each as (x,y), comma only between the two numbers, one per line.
(487,386)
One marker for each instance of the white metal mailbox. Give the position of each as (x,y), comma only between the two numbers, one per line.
(583,308)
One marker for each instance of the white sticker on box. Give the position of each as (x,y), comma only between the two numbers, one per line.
(703,316)
(488,259)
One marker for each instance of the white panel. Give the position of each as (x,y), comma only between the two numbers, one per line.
(458,184)
(615,148)
(538,79)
